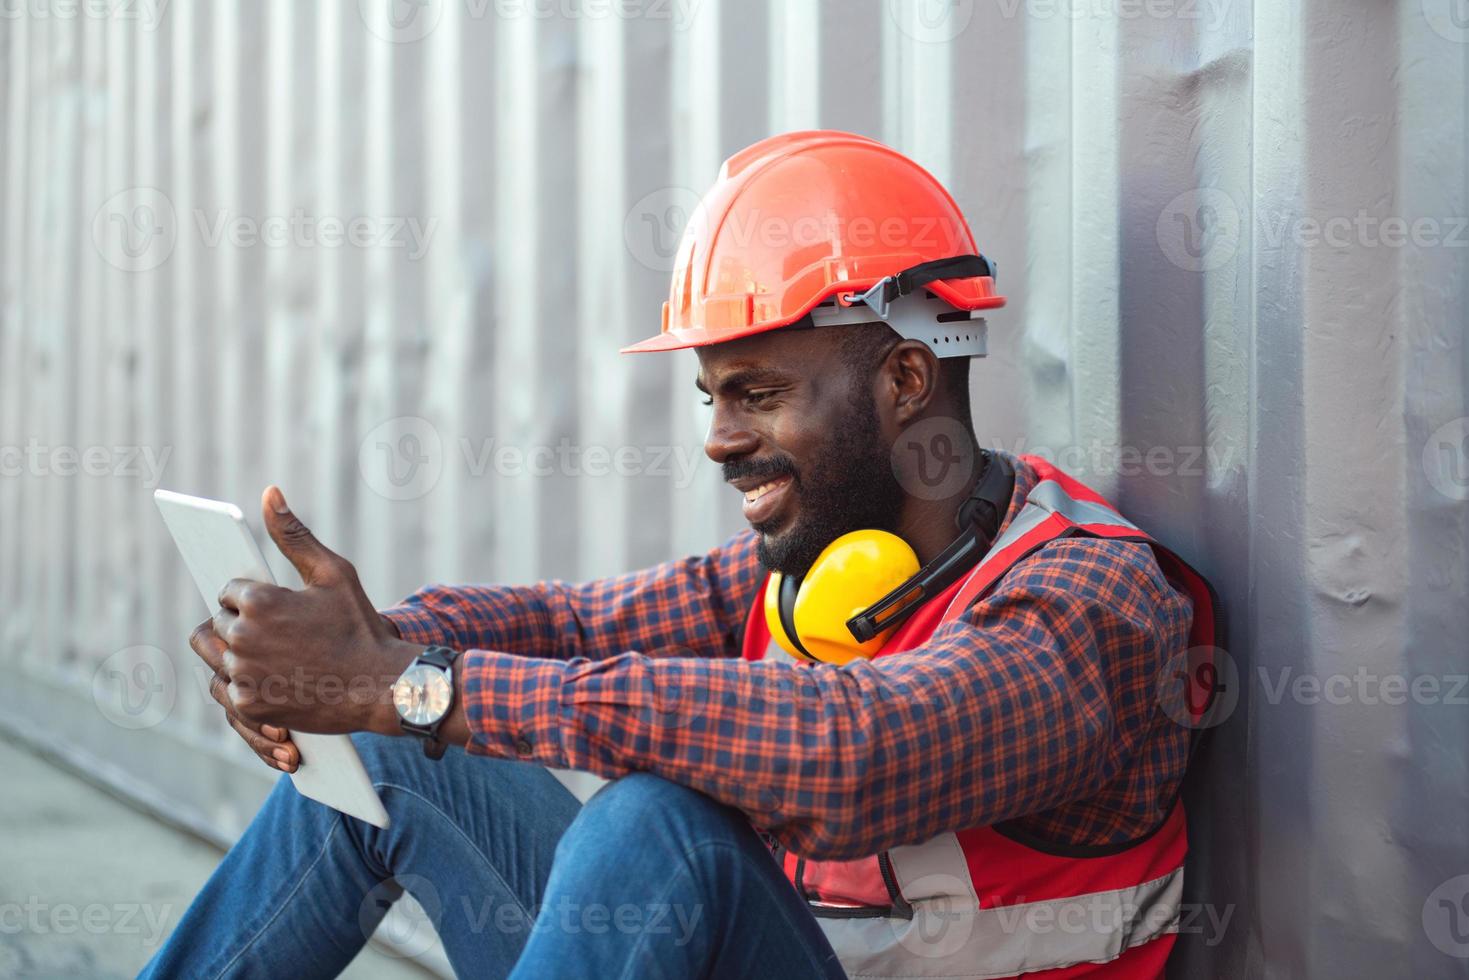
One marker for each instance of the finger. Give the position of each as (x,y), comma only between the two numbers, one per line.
(243,595)
(222,623)
(229,598)
(282,757)
(317,563)
(206,643)
(286,754)
(219,691)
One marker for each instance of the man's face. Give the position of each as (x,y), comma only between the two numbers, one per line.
(802,439)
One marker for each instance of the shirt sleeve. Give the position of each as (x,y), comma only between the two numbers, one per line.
(690,607)
(1038,695)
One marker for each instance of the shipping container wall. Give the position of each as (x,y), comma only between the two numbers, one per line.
(384,254)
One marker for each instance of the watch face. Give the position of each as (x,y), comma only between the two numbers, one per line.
(422,694)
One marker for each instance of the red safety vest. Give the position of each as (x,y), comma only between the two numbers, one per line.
(981,903)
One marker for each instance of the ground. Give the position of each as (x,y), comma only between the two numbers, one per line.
(90,886)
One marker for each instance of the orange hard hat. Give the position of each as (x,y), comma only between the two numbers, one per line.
(830,224)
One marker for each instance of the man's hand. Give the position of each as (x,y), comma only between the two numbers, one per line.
(317,660)
(272,744)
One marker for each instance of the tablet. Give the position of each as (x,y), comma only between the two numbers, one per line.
(217,546)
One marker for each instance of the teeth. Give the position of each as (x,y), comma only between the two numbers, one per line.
(759,492)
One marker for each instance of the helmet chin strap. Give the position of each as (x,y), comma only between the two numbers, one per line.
(978,519)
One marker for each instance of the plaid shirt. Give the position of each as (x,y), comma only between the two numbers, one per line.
(1038,705)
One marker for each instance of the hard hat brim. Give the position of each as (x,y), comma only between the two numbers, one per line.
(682,339)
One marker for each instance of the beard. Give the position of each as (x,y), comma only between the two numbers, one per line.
(850,487)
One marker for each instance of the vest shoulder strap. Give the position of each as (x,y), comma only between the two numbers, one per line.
(1061,506)
(1058,507)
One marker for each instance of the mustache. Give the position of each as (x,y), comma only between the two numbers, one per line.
(760,469)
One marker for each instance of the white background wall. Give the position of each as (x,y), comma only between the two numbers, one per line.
(1233,235)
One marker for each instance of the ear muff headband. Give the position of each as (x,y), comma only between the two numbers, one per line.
(933,578)
(979,520)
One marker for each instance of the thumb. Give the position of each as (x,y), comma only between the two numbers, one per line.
(316,563)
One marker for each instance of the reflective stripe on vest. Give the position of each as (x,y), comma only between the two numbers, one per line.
(982,904)
(950,937)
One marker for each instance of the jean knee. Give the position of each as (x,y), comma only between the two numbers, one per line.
(643,806)
(638,796)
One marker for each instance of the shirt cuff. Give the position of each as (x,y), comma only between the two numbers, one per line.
(416,625)
(513,706)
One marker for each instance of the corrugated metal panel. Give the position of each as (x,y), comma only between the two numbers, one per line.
(1196,208)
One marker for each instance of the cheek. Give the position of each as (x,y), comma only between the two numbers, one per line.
(806,434)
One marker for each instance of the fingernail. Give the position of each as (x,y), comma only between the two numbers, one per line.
(285,766)
(271,732)
(282,755)
(278,502)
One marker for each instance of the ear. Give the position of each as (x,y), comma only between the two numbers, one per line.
(910,375)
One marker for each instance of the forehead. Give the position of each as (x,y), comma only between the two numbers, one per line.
(775,353)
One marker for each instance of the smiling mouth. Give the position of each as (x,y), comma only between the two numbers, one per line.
(763,503)
(760,491)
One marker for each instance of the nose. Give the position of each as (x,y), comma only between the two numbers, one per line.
(729,435)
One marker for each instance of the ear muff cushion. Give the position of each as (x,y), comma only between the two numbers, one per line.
(789,592)
(850,574)
(776,617)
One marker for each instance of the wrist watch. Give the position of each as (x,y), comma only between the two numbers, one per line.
(424,694)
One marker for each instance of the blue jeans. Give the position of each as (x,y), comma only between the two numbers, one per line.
(649,879)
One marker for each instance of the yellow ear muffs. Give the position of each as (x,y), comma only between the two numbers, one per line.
(808,617)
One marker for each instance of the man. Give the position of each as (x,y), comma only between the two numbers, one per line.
(915,704)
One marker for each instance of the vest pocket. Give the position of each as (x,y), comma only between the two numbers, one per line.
(833,907)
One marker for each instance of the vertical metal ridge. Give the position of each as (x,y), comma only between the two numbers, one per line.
(1317,391)
(518,327)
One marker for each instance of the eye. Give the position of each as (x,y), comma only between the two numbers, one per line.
(706,400)
(761,396)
